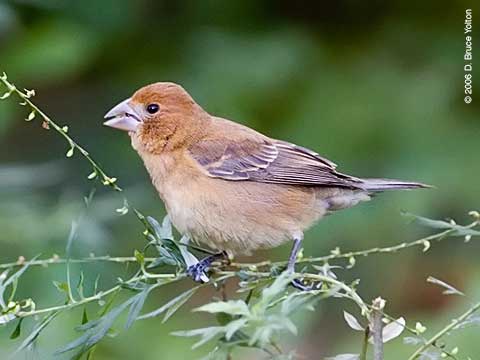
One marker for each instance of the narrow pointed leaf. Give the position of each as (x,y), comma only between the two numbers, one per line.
(36,332)
(232,307)
(172,306)
(352,321)
(449,289)
(18,329)
(136,307)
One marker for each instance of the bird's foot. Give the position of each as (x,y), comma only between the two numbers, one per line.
(302,285)
(197,271)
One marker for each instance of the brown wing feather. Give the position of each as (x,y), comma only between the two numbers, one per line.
(269,161)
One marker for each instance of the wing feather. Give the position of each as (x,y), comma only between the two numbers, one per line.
(269,161)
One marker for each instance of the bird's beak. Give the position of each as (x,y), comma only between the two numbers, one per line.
(122,117)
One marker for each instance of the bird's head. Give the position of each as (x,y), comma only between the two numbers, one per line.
(157,115)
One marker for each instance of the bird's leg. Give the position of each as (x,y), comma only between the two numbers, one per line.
(298,283)
(195,268)
(191,260)
(197,271)
(297,241)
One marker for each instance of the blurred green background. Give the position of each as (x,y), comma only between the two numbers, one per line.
(377,87)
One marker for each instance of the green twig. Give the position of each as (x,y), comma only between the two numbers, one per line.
(445,330)
(363,354)
(377,327)
(25,97)
(98,296)
(336,255)
(363,253)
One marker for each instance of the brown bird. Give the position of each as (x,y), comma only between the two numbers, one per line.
(228,186)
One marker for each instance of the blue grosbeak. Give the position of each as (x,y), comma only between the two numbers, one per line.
(228,186)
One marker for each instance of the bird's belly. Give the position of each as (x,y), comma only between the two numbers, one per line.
(240,216)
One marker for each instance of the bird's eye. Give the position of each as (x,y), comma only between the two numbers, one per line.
(152,108)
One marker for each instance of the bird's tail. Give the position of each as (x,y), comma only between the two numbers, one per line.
(378,185)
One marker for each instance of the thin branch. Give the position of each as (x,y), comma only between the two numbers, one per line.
(377,327)
(349,291)
(363,353)
(444,331)
(363,253)
(57,260)
(25,97)
(336,255)
(100,295)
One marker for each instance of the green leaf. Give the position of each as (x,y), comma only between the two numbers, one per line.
(84,316)
(436,224)
(161,236)
(96,330)
(92,175)
(297,301)
(5,282)
(172,306)
(457,230)
(232,307)
(5,319)
(206,334)
(61,286)
(18,329)
(161,260)
(352,321)
(95,285)
(30,339)
(234,326)
(220,352)
(140,216)
(269,294)
(139,256)
(223,319)
(6,95)
(261,336)
(136,307)
(345,357)
(64,288)
(449,289)
(163,231)
(80,285)
(269,325)
(278,286)
(31,116)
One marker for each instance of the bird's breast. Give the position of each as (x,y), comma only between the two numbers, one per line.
(177,184)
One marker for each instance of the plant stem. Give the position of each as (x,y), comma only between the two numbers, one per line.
(126,259)
(446,329)
(363,354)
(349,291)
(377,327)
(377,250)
(98,296)
(11,88)
(56,260)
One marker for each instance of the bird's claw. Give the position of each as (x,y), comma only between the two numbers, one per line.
(196,271)
(301,285)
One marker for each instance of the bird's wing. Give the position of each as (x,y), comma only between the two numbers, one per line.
(269,161)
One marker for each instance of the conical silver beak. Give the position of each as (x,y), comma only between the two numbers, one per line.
(122,117)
